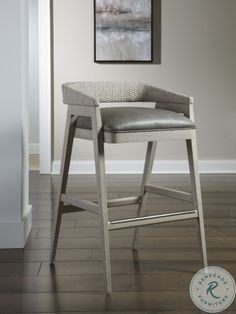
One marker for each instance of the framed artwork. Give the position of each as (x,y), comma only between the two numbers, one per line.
(123,31)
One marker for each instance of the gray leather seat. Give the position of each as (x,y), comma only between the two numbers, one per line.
(138,119)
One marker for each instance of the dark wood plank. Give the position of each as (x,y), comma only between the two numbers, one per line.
(126,267)
(94,283)
(157,231)
(19,269)
(126,242)
(49,302)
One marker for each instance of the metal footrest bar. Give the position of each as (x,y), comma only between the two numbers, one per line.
(151,220)
(185,196)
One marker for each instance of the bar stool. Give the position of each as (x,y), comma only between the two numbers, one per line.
(171,118)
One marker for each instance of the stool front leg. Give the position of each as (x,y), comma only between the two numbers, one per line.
(98,141)
(65,164)
(149,160)
(196,192)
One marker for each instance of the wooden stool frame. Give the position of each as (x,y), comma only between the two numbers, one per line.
(70,203)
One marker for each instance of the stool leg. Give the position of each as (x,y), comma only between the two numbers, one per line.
(196,192)
(65,164)
(149,160)
(102,201)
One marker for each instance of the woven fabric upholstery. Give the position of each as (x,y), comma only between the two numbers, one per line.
(93,93)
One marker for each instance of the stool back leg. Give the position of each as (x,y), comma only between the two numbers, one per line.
(65,164)
(149,160)
(196,192)
(102,195)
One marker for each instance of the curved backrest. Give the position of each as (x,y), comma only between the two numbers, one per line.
(93,93)
(109,91)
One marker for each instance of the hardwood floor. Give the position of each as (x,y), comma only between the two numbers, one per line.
(154,279)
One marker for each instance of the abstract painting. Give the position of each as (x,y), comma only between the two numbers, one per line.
(123,30)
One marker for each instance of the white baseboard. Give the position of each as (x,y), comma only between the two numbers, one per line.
(13,234)
(34,148)
(136,166)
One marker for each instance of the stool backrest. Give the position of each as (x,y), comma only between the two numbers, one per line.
(93,93)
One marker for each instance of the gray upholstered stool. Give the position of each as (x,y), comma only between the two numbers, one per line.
(172,118)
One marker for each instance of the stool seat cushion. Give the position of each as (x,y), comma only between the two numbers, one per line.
(137,119)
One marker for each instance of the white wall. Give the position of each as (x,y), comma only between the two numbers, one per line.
(198,58)
(15,212)
(33,77)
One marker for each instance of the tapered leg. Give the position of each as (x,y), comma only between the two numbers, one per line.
(65,164)
(196,192)
(102,199)
(150,156)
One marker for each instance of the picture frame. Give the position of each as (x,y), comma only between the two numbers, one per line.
(123,32)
